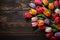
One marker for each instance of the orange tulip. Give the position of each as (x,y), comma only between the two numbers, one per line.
(46,12)
(58,26)
(45,2)
(51,6)
(40,22)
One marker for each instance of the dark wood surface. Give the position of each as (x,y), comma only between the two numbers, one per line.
(12,21)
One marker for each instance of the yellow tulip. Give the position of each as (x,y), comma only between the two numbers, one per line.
(58,26)
(46,12)
(45,2)
(40,22)
(51,5)
(32,11)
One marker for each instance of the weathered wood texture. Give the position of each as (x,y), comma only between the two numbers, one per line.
(12,17)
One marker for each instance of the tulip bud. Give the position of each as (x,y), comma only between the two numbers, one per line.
(58,26)
(54,15)
(38,2)
(45,2)
(32,5)
(34,18)
(48,29)
(53,38)
(57,34)
(39,9)
(41,27)
(48,35)
(34,24)
(40,22)
(27,15)
(47,21)
(56,3)
(46,12)
(51,6)
(57,10)
(57,20)
(32,11)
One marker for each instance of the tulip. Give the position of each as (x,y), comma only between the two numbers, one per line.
(56,3)
(27,15)
(57,34)
(54,15)
(32,5)
(57,10)
(34,24)
(41,27)
(48,29)
(39,9)
(58,26)
(57,20)
(59,2)
(47,21)
(38,2)
(45,2)
(34,19)
(46,12)
(32,11)
(51,6)
(48,34)
(40,22)
(53,38)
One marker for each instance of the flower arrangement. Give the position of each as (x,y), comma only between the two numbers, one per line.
(45,15)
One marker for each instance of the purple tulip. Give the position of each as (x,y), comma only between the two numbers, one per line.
(47,21)
(32,5)
(57,34)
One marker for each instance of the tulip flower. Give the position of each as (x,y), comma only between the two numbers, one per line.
(51,6)
(34,24)
(58,26)
(46,12)
(54,15)
(45,2)
(53,38)
(57,34)
(32,11)
(57,20)
(57,10)
(59,2)
(40,22)
(32,5)
(34,19)
(39,9)
(48,29)
(48,34)
(41,27)
(56,3)
(47,21)
(38,2)
(27,15)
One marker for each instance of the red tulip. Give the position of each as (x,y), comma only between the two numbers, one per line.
(56,3)
(27,15)
(54,15)
(39,9)
(57,20)
(42,27)
(53,38)
(48,35)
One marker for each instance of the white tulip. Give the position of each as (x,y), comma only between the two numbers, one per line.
(48,29)
(57,10)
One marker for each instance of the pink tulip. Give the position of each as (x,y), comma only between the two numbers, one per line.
(38,2)
(34,24)
(56,3)
(34,19)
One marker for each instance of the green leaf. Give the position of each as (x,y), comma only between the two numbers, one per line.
(37,30)
(50,1)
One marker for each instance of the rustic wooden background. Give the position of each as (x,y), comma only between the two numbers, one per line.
(12,21)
